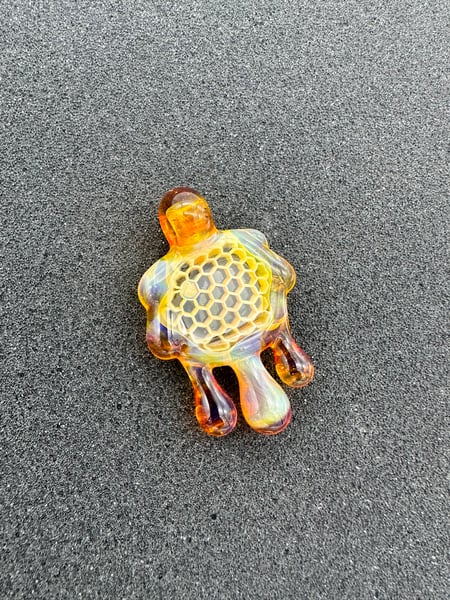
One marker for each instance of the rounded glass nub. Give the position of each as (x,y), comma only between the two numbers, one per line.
(185,217)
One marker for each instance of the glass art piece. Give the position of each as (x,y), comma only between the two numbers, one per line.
(218,298)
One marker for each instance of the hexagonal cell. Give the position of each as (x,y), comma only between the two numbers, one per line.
(222,261)
(187,322)
(227,248)
(217,309)
(180,280)
(261,270)
(200,260)
(258,303)
(238,254)
(208,267)
(194,273)
(247,293)
(234,269)
(215,325)
(246,277)
(188,306)
(203,299)
(204,282)
(218,292)
(245,310)
(250,263)
(201,316)
(184,267)
(233,285)
(214,253)
(263,285)
(189,289)
(230,317)
(176,301)
(200,332)
(231,301)
(219,276)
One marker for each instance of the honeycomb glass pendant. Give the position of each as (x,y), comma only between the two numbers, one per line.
(218,298)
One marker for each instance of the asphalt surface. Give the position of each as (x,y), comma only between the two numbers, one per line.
(324,125)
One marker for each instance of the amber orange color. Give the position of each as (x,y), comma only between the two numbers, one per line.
(218,298)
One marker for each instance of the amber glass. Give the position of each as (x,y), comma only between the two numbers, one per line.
(218,297)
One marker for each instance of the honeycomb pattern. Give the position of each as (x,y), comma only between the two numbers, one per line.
(220,298)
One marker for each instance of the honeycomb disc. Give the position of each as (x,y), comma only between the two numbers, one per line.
(218,299)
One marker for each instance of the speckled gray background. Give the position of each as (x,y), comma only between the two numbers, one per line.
(324,125)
